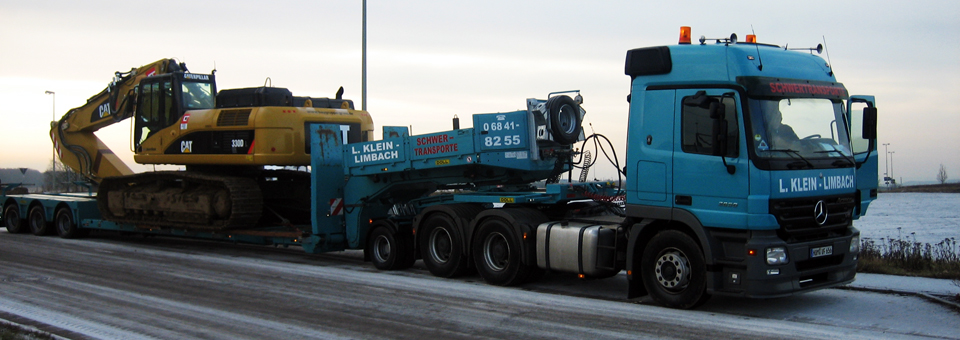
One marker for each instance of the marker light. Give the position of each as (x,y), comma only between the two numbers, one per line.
(752,252)
(685,35)
(752,38)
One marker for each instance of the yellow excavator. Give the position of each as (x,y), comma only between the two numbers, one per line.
(226,140)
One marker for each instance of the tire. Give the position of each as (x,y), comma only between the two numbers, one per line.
(389,250)
(12,220)
(38,222)
(674,271)
(496,254)
(565,120)
(65,225)
(441,247)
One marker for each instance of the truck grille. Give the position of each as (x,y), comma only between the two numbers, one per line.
(819,262)
(798,221)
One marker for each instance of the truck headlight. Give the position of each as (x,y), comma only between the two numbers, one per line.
(855,244)
(777,255)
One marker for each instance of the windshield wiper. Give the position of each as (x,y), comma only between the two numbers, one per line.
(795,165)
(841,163)
(847,160)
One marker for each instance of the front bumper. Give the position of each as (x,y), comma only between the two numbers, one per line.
(751,276)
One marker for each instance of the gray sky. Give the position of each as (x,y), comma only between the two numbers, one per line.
(429,60)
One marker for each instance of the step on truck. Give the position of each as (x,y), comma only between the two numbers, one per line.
(746,164)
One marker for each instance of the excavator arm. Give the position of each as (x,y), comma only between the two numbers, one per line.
(74,134)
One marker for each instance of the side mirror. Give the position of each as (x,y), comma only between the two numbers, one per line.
(869,123)
(719,137)
(718,114)
(699,99)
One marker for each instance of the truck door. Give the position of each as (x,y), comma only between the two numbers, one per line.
(864,152)
(714,188)
(650,151)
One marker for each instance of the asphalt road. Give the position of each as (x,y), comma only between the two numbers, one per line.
(110,287)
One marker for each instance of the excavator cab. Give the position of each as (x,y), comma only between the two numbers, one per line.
(163,99)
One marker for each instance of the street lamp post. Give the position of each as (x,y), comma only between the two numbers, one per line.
(886,164)
(891,165)
(53,158)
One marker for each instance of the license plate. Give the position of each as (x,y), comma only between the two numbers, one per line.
(821,251)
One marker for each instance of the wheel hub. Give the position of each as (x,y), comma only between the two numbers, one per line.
(567,119)
(496,252)
(381,248)
(440,245)
(12,220)
(673,270)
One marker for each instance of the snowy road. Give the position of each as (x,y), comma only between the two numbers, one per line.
(132,288)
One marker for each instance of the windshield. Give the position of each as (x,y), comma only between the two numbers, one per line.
(800,129)
(197,96)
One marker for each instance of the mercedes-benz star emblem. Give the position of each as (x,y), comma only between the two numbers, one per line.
(820,213)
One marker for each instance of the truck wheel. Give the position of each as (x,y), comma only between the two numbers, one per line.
(441,247)
(565,120)
(38,223)
(496,253)
(66,227)
(390,251)
(674,271)
(11,219)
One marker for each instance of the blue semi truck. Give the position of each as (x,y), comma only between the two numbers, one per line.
(746,164)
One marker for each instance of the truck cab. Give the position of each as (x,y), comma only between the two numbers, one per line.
(753,159)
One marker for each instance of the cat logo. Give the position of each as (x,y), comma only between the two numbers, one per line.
(186,146)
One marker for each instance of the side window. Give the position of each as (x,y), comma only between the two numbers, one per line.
(697,128)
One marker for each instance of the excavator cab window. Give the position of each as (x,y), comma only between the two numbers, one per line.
(197,96)
(157,109)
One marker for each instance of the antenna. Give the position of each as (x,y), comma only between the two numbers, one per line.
(760,60)
(829,63)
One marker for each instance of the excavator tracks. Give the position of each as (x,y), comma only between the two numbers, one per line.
(181,200)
